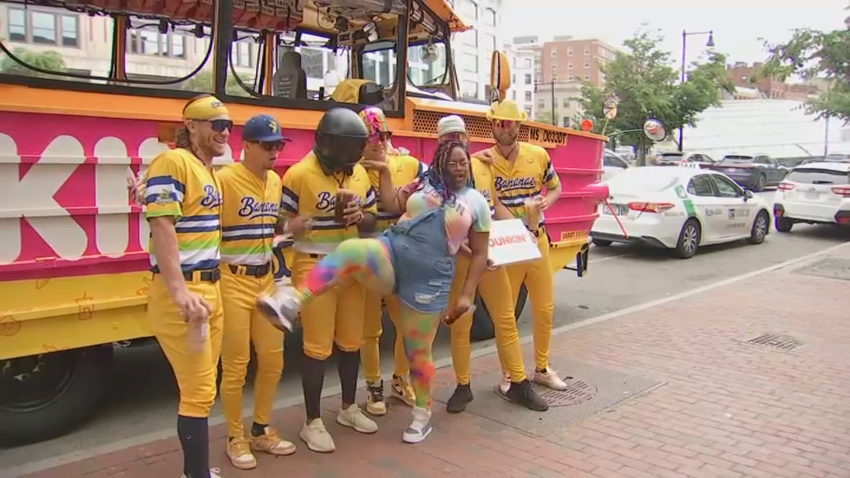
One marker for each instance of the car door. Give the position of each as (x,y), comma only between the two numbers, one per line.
(708,207)
(769,168)
(779,171)
(738,211)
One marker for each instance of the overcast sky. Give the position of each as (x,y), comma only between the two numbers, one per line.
(737,24)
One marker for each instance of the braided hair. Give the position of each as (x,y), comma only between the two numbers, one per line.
(438,172)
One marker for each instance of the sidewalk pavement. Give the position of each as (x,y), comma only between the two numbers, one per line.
(672,390)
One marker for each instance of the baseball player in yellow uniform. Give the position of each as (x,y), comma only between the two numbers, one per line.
(312,188)
(183,200)
(522,172)
(404,170)
(495,291)
(251,193)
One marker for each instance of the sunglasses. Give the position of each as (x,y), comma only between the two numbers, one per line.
(270,145)
(382,137)
(453,137)
(505,124)
(219,125)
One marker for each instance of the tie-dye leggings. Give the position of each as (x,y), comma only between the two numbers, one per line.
(369,262)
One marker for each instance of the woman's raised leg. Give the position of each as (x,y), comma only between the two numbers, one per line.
(419,330)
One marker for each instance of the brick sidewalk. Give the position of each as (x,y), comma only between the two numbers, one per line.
(725,409)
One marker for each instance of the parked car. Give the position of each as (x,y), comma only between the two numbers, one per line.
(673,158)
(814,193)
(755,172)
(679,208)
(612,165)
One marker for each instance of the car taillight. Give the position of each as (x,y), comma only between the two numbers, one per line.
(785,186)
(650,206)
(843,191)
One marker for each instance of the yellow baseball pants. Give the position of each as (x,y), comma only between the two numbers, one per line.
(333,317)
(370,354)
(244,325)
(195,372)
(495,291)
(537,276)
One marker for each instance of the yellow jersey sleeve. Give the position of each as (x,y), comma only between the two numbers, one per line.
(485,182)
(290,200)
(550,177)
(165,188)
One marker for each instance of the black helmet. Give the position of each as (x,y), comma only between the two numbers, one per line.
(340,139)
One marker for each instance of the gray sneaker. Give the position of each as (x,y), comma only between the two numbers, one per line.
(281,309)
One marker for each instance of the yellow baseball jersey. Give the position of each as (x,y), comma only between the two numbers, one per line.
(249,213)
(308,191)
(523,179)
(179,185)
(404,170)
(485,182)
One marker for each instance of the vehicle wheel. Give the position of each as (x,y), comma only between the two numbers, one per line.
(761,183)
(44,396)
(601,243)
(688,240)
(761,225)
(783,224)
(482,324)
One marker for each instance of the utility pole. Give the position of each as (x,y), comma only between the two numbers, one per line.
(554,119)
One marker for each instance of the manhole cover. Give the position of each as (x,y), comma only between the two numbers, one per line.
(829,268)
(782,342)
(578,391)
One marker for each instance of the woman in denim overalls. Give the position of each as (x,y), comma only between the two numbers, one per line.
(415,260)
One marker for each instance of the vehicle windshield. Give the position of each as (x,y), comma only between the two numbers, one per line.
(819,176)
(644,180)
(670,156)
(737,159)
(426,67)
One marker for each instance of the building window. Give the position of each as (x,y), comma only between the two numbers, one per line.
(513,78)
(526,63)
(527,96)
(528,110)
(587,63)
(154,43)
(587,50)
(490,17)
(570,77)
(489,42)
(469,37)
(242,53)
(527,79)
(570,51)
(468,9)
(470,62)
(469,89)
(569,65)
(587,77)
(566,102)
(554,53)
(43,28)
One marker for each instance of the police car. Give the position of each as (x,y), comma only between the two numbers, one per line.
(679,208)
(814,193)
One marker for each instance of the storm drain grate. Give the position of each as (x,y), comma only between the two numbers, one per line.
(781,342)
(577,392)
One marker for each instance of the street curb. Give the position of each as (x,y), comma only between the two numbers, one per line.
(442,363)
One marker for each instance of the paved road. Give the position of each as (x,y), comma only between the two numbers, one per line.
(619,277)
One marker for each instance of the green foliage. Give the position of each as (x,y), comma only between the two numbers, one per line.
(814,54)
(647,85)
(48,60)
(202,82)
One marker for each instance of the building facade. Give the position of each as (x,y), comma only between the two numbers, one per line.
(473,49)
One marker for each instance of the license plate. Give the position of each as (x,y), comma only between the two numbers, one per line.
(812,195)
(619,209)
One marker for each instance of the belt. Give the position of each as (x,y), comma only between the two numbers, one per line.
(317,256)
(253,271)
(208,275)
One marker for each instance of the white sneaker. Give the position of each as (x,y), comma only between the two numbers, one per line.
(317,437)
(420,428)
(281,309)
(214,473)
(353,417)
(549,378)
(505,385)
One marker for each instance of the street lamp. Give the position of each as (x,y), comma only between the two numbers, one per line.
(708,44)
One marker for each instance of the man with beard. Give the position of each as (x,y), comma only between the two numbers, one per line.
(522,172)
(312,188)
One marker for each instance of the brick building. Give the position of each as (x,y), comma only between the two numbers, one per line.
(747,76)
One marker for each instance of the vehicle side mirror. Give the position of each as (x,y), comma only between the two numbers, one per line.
(748,194)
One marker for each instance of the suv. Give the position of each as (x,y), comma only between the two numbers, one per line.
(814,193)
(673,158)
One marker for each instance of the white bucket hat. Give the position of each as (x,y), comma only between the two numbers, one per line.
(450,124)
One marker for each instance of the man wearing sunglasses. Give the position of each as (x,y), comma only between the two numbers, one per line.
(250,212)
(404,169)
(522,172)
(495,291)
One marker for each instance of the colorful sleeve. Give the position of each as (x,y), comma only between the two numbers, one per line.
(371,202)
(289,196)
(550,177)
(165,187)
(423,168)
(480,213)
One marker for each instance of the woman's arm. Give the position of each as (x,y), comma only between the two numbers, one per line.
(478,244)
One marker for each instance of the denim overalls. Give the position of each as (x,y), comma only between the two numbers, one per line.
(424,269)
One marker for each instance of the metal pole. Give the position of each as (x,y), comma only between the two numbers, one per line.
(826,127)
(554,121)
(684,59)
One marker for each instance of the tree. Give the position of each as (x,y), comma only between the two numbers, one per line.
(48,60)
(814,54)
(647,85)
(203,82)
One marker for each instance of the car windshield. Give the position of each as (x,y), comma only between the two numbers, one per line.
(737,159)
(818,176)
(670,157)
(635,180)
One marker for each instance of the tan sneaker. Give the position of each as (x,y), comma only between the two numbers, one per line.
(353,417)
(402,390)
(239,452)
(375,404)
(317,437)
(549,378)
(269,442)
(214,473)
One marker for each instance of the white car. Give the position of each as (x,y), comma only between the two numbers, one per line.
(612,165)
(679,208)
(814,193)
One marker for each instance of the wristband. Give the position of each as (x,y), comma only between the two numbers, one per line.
(535,233)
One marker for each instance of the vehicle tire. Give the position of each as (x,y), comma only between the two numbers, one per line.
(783,224)
(601,243)
(761,227)
(62,390)
(482,324)
(761,183)
(688,240)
